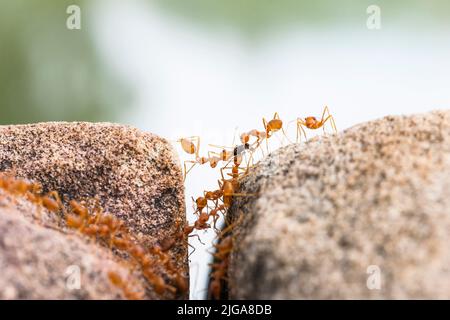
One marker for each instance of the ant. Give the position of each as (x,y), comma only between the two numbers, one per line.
(273,126)
(213,195)
(180,282)
(259,135)
(32,192)
(52,202)
(227,155)
(117,281)
(313,124)
(221,256)
(201,203)
(159,284)
(229,187)
(147,265)
(237,154)
(213,161)
(185,232)
(97,224)
(190,147)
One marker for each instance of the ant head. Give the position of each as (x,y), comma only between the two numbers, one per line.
(245,137)
(247,146)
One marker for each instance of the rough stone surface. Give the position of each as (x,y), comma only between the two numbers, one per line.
(377,194)
(134,175)
(41,263)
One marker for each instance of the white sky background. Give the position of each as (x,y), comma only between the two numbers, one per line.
(191,81)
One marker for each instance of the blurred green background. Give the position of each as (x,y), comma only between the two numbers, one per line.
(48,72)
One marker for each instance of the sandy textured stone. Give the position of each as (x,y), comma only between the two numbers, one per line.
(135,175)
(40,263)
(376,194)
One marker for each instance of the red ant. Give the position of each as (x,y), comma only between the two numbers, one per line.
(32,191)
(190,147)
(220,267)
(213,195)
(273,125)
(259,135)
(229,187)
(52,202)
(183,233)
(106,227)
(313,124)
(130,294)
(228,155)
(201,203)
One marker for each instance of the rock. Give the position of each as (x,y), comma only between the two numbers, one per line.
(134,175)
(41,263)
(332,212)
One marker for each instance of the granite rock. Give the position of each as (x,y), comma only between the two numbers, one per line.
(133,175)
(42,263)
(362,214)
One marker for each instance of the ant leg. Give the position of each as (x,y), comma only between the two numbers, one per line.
(215,218)
(227,166)
(248,162)
(279,140)
(323,120)
(300,125)
(230,227)
(333,125)
(187,171)
(234,136)
(190,245)
(326,111)
(267,134)
(240,174)
(197,147)
(276,116)
(198,237)
(260,147)
(194,206)
(220,147)
(285,135)
(229,154)
(214,154)
(267,145)
(265,124)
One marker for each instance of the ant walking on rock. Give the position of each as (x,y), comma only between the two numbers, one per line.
(314,124)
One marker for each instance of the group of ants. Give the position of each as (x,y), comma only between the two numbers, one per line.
(155,263)
(108,230)
(212,204)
